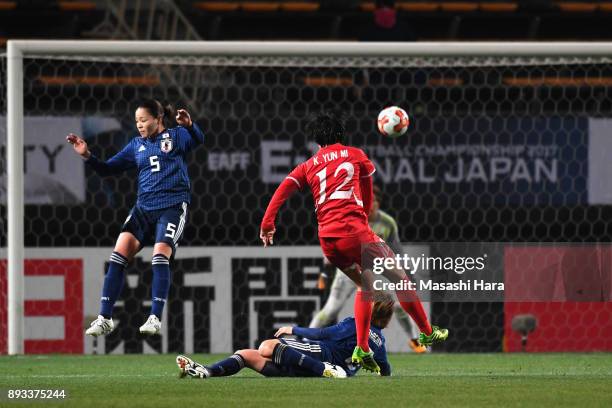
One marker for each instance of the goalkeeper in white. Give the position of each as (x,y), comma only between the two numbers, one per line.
(343,288)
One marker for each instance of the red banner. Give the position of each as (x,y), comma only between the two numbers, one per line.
(70,308)
(3,311)
(567,289)
(562,326)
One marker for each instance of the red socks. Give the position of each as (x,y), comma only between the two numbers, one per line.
(416,311)
(363,315)
(410,302)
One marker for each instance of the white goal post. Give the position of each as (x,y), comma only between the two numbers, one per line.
(17,50)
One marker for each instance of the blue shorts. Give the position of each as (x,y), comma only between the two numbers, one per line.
(309,348)
(150,227)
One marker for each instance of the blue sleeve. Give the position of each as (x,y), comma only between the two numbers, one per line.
(189,138)
(122,161)
(343,329)
(311,333)
(383,363)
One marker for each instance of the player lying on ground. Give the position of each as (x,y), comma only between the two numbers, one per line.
(342,287)
(323,352)
(340,178)
(159,216)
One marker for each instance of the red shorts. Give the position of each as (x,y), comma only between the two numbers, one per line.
(343,252)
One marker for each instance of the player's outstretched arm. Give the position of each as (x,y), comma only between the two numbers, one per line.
(79,145)
(122,161)
(285,330)
(282,193)
(311,333)
(343,329)
(196,136)
(183,118)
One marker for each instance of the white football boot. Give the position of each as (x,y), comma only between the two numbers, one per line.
(191,368)
(333,371)
(100,327)
(151,326)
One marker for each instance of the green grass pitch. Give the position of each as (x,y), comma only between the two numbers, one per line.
(434,380)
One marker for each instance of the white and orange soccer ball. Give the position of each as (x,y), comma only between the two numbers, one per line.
(393,121)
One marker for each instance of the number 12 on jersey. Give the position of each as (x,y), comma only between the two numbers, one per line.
(338,193)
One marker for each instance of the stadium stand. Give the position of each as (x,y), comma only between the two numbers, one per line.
(329,20)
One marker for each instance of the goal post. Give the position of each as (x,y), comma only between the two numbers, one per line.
(274,53)
(25,48)
(15,213)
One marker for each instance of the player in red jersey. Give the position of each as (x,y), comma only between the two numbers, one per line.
(340,178)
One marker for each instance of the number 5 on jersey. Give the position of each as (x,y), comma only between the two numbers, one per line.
(154,160)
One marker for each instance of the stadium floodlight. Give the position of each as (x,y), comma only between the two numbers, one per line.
(281,54)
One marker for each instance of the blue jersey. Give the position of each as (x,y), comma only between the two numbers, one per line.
(161,164)
(338,342)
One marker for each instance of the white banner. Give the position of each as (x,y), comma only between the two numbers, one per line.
(53,173)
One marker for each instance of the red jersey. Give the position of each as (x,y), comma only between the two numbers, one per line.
(333,175)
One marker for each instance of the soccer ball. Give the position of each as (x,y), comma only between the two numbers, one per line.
(393,121)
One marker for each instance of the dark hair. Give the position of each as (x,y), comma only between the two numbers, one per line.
(326,128)
(156,109)
(382,310)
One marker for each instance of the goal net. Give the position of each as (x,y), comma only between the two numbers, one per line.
(508,144)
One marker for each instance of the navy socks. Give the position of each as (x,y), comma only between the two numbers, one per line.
(114,278)
(161,284)
(113,283)
(229,366)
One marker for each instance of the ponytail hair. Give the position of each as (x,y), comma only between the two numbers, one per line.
(156,109)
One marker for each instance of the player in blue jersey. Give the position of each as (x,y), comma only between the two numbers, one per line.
(323,352)
(159,157)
